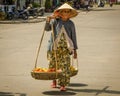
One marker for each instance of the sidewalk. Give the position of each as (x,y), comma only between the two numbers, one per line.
(30,20)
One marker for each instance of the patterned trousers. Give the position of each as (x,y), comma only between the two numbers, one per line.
(60,59)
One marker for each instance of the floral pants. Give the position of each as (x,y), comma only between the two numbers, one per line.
(62,57)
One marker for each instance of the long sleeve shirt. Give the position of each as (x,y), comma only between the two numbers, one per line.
(69,27)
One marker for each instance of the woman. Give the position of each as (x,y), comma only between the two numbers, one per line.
(62,43)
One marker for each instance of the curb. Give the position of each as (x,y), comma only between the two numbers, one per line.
(37,20)
(30,20)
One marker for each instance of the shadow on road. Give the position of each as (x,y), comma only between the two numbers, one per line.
(65,93)
(103,9)
(12,94)
(96,91)
(77,85)
(73,91)
(55,93)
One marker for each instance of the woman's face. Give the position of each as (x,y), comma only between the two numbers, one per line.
(65,14)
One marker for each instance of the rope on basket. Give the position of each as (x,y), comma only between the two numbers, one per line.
(38,51)
(76,61)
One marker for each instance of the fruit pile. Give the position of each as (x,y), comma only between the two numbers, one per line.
(73,71)
(72,68)
(39,69)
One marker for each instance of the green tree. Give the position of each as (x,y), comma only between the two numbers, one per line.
(47,5)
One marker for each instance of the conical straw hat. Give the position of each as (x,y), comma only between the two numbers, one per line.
(73,12)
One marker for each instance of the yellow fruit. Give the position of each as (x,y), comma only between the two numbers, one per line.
(72,68)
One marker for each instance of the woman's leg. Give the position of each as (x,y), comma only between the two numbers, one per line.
(64,64)
(65,67)
(52,64)
(54,84)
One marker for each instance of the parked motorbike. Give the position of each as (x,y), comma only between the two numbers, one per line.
(32,12)
(102,4)
(15,14)
(35,12)
(40,11)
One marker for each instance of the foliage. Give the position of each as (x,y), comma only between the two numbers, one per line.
(35,5)
(2,15)
(47,4)
(118,3)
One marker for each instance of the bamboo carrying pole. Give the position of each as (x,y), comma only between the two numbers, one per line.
(54,50)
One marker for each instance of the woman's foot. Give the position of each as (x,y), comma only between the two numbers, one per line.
(62,88)
(54,84)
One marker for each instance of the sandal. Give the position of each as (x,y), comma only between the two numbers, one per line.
(54,84)
(62,88)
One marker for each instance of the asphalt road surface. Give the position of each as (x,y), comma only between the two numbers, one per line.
(98,36)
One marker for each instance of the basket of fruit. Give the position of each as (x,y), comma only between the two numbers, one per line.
(45,74)
(73,71)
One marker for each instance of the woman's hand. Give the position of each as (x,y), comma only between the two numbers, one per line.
(51,17)
(48,19)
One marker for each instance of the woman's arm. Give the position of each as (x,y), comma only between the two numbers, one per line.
(48,24)
(74,39)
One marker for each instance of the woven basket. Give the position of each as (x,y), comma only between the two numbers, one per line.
(46,75)
(73,73)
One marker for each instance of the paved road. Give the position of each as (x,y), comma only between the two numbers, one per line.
(98,33)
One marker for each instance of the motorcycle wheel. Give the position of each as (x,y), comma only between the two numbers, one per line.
(10,16)
(35,15)
(41,13)
(24,16)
